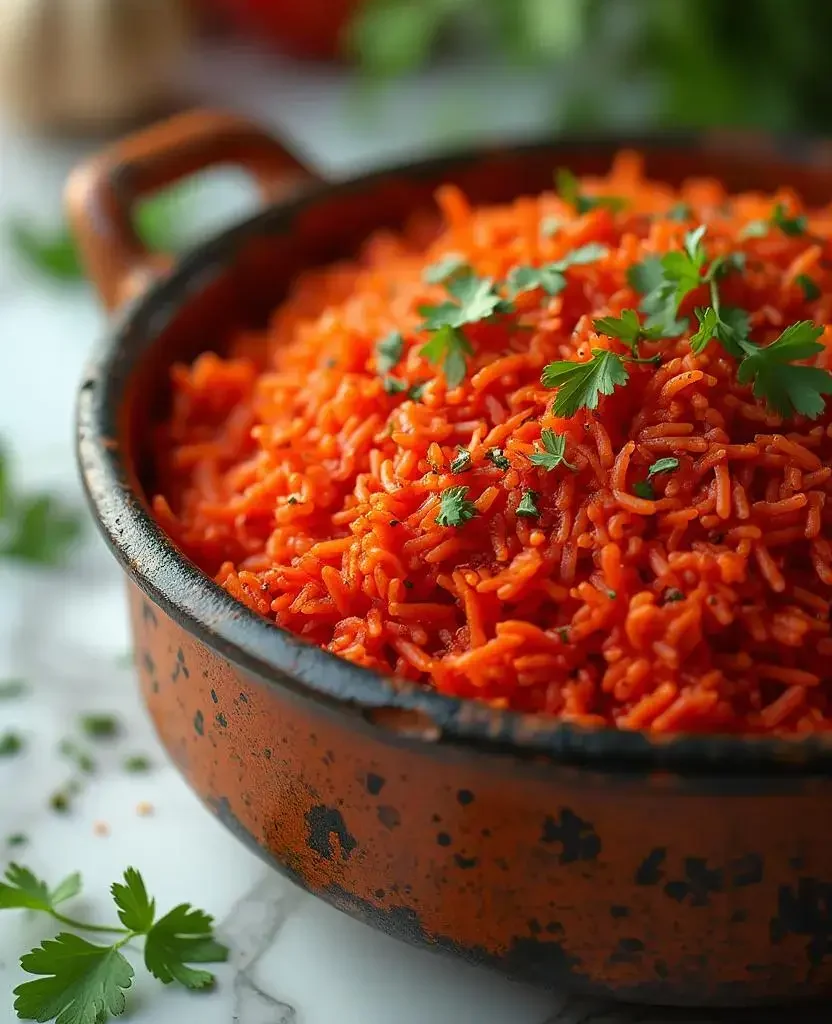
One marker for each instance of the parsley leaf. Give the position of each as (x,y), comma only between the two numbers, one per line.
(462,461)
(554,451)
(439,272)
(658,297)
(448,348)
(12,688)
(528,505)
(454,508)
(580,384)
(785,388)
(389,351)
(643,489)
(668,465)
(416,391)
(628,328)
(100,726)
(476,299)
(80,984)
(792,226)
(679,212)
(808,286)
(569,189)
(551,277)
(394,386)
(137,764)
(730,326)
(21,889)
(182,937)
(136,910)
(497,456)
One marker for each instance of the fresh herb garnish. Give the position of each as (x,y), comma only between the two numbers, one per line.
(551,277)
(791,226)
(17,839)
(394,386)
(672,594)
(628,328)
(137,764)
(679,212)
(454,507)
(528,505)
(580,384)
(569,189)
(416,391)
(442,270)
(497,457)
(668,465)
(808,286)
(11,743)
(476,299)
(787,388)
(550,226)
(82,983)
(643,489)
(10,689)
(554,452)
(83,761)
(462,461)
(100,726)
(389,351)
(448,348)
(729,325)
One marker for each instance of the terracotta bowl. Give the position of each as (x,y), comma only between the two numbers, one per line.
(689,870)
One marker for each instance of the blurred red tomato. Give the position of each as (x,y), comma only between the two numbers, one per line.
(303,28)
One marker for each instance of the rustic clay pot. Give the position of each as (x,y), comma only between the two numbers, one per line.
(689,870)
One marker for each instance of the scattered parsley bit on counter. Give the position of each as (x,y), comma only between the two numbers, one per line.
(554,452)
(17,839)
(551,277)
(580,384)
(83,761)
(389,351)
(668,465)
(462,461)
(442,270)
(808,287)
(137,764)
(455,509)
(60,800)
(569,189)
(100,726)
(528,505)
(497,457)
(644,489)
(11,689)
(11,743)
(79,982)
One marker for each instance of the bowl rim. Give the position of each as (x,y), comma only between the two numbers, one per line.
(280,659)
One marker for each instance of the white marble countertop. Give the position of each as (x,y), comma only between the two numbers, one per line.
(293,960)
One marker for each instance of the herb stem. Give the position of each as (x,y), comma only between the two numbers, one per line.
(98,928)
(714,295)
(647,360)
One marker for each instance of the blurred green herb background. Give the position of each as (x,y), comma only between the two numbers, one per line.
(754,63)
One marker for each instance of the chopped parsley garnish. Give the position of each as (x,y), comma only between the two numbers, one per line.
(394,386)
(672,594)
(791,226)
(497,456)
(679,212)
(668,465)
(551,277)
(554,452)
(454,507)
(580,384)
(528,505)
(787,388)
(100,726)
(569,189)
(137,764)
(643,489)
(442,270)
(11,743)
(78,982)
(628,328)
(808,286)
(448,348)
(416,391)
(462,461)
(389,351)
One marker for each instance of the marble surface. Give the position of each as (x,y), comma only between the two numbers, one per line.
(293,960)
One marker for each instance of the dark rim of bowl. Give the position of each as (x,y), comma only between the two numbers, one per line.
(279,658)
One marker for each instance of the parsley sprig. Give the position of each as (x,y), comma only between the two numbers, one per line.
(780,219)
(569,189)
(551,277)
(554,452)
(581,384)
(79,982)
(454,507)
(473,299)
(785,387)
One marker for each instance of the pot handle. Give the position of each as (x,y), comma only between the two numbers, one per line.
(102,193)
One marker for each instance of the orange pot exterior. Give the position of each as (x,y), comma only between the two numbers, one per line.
(656,888)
